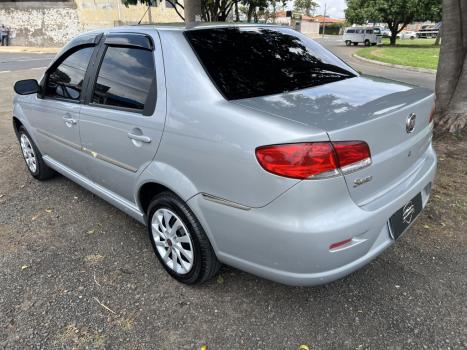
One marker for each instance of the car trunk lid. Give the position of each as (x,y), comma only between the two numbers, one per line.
(366,109)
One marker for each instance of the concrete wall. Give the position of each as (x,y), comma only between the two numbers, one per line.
(310,28)
(108,13)
(40,24)
(43,23)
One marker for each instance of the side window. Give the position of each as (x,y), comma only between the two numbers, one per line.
(350,30)
(369,31)
(124,78)
(66,80)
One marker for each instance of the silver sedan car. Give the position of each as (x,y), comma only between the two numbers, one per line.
(247,145)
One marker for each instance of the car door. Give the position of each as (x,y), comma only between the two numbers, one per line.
(54,115)
(122,122)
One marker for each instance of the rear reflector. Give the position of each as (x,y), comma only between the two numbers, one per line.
(314,159)
(340,244)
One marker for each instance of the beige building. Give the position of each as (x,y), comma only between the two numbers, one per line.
(52,23)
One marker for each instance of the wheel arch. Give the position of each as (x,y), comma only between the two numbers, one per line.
(160,177)
(16,125)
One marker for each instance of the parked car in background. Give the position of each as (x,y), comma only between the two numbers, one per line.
(407,35)
(362,35)
(429,31)
(247,145)
(386,33)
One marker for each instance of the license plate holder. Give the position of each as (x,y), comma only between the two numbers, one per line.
(405,216)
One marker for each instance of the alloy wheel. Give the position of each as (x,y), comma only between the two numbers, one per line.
(28,153)
(172,240)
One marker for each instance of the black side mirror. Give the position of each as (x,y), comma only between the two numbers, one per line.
(27,87)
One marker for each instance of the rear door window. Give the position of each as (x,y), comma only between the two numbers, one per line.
(250,61)
(124,79)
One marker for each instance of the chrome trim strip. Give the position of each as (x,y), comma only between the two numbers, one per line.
(223,201)
(351,168)
(89,152)
(111,197)
(326,175)
(109,160)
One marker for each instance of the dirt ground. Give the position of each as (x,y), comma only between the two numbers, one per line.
(77,273)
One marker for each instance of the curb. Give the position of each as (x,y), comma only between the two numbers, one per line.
(21,49)
(414,69)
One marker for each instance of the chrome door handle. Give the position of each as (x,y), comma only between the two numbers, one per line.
(141,138)
(69,121)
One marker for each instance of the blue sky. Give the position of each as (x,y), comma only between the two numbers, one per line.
(335,8)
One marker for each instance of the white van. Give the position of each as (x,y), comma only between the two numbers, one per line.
(365,35)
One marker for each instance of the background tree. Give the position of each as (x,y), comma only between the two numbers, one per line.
(306,7)
(397,14)
(178,7)
(193,10)
(451,79)
(251,7)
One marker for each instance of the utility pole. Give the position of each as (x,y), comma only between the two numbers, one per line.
(119,13)
(149,11)
(324,19)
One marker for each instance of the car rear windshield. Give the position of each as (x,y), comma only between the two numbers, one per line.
(248,62)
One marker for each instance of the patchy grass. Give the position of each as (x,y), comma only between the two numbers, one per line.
(420,53)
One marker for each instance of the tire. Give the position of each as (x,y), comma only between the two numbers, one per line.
(367,42)
(348,43)
(173,248)
(33,157)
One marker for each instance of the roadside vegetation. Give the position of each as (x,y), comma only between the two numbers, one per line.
(421,53)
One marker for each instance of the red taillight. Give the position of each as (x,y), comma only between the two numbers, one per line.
(299,161)
(351,152)
(313,159)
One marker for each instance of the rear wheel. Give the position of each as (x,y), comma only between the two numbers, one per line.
(348,42)
(367,42)
(179,241)
(33,157)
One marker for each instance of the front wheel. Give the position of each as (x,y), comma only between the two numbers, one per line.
(179,241)
(33,157)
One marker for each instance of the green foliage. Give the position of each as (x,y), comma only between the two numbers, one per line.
(331,28)
(401,11)
(419,53)
(219,10)
(306,7)
(396,13)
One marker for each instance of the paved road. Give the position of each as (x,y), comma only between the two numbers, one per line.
(338,47)
(77,273)
(22,61)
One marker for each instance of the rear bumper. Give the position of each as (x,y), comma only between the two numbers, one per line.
(289,240)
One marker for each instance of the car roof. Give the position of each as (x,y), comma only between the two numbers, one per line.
(178,27)
(184,27)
